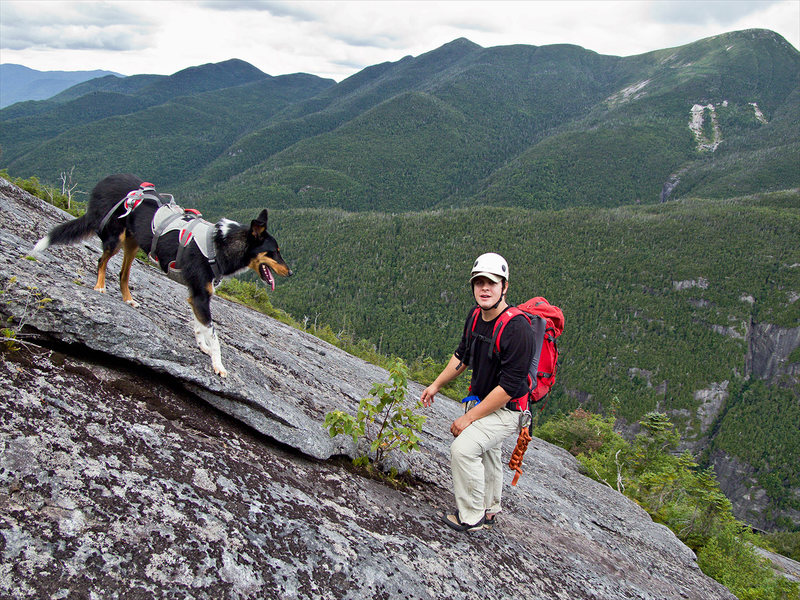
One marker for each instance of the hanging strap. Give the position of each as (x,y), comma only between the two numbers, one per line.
(515,464)
(159,230)
(212,256)
(184,238)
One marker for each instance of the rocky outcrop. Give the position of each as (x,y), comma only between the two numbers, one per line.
(738,482)
(711,403)
(129,470)
(669,186)
(788,568)
(768,350)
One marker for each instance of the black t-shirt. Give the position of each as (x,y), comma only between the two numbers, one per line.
(509,369)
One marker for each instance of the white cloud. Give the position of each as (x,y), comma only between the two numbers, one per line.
(715,12)
(73,26)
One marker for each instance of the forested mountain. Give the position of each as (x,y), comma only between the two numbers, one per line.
(530,126)
(167,127)
(383,188)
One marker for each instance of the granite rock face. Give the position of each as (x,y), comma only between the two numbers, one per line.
(768,350)
(128,469)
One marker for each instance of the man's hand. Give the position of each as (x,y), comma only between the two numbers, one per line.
(496,399)
(453,369)
(428,395)
(460,424)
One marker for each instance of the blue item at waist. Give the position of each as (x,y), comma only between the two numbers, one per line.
(510,405)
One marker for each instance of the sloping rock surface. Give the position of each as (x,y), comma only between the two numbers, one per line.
(129,470)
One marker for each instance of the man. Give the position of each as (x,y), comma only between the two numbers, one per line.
(496,378)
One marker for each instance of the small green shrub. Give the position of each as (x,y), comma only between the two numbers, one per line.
(382,420)
(255,296)
(49,194)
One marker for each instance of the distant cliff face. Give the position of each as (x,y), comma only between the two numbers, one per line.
(128,469)
(768,351)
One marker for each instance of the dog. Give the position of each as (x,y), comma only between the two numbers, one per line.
(123,211)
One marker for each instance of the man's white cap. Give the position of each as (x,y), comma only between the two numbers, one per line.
(490,265)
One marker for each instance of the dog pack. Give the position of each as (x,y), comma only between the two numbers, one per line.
(171,217)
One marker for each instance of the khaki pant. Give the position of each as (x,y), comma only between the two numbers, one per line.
(476,464)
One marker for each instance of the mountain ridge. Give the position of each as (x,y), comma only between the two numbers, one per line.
(531,113)
(21,83)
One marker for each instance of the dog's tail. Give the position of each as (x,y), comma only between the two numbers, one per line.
(66,233)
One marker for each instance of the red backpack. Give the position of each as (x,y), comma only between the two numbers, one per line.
(547,321)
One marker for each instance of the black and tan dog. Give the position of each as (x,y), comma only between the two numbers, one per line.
(127,213)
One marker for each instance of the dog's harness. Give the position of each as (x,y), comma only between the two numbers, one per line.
(133,199)
(191,227)
(171,217)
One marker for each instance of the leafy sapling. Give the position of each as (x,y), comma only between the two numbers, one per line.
(382,419)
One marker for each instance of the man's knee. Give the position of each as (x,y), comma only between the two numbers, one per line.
(464,448)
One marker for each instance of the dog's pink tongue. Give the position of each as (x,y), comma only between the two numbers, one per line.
(270,278)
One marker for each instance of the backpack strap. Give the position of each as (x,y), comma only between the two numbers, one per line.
(500,326)
(160,224)
(539,325)
(184,238)
(475,312)
(470,337)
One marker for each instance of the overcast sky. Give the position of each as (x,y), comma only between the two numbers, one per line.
(338,39)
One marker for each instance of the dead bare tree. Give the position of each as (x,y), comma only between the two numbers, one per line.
(67,187)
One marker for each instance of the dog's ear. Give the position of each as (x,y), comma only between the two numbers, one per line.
(258,226)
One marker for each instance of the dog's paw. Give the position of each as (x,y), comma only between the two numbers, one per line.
(132,303)
(101,289)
